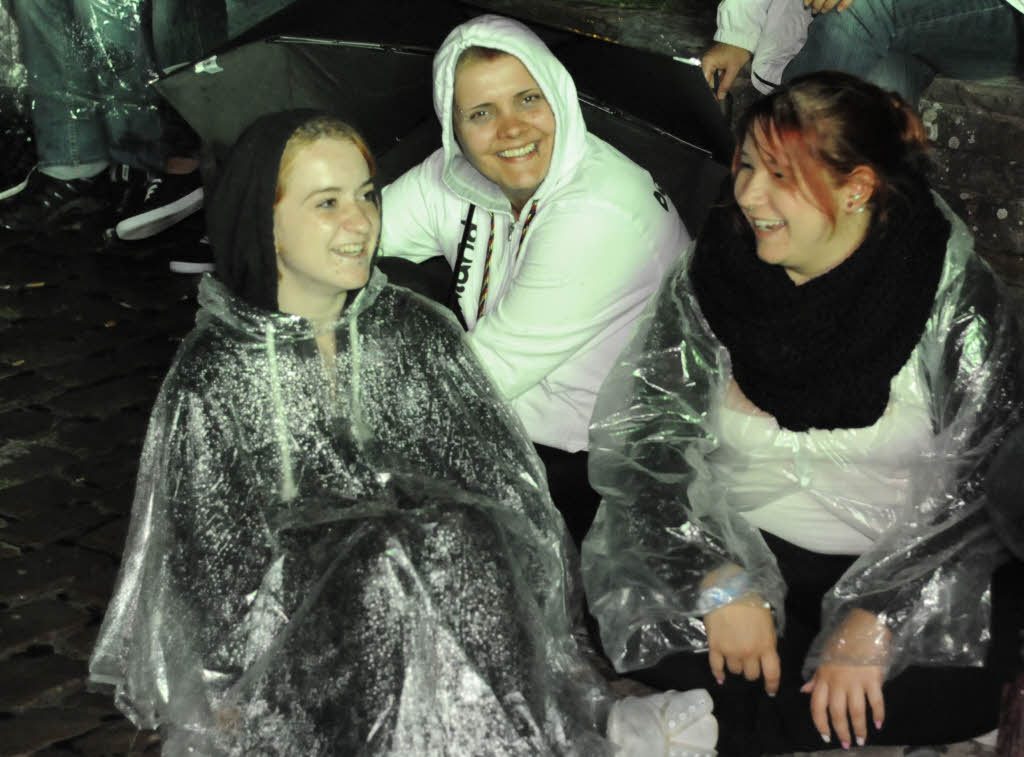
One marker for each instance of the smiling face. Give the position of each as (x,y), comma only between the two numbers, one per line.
(504,124)
(326,223)
(790,229)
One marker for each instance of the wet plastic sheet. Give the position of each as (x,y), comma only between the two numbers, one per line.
(371,566)
(670,542)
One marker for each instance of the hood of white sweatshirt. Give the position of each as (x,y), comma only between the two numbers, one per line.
(514,38)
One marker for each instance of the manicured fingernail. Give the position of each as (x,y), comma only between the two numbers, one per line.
(878,725)
(827,738)
(772,694)
(719,681)
(846,744)
(860,741)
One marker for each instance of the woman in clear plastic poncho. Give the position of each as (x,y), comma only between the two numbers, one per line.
(341,542)
(793,452)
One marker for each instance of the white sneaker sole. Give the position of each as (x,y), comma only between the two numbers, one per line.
(186,266)
(151,223)
(11,191)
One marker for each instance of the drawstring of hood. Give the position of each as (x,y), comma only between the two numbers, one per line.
(288,488)
(359,428)
(275,332)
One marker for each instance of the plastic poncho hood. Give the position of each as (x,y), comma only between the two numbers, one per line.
(554,80)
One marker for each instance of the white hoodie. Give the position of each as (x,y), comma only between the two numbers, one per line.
(563,297)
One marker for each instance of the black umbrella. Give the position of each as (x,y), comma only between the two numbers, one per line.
(382,91)
(373,67)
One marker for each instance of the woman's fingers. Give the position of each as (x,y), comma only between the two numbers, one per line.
(819,708)
(751,668)
(717,663)
(856,705)
(877,702)
(772,670)
(837,712)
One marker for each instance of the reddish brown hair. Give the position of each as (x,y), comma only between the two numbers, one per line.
(823,126)
(322,127)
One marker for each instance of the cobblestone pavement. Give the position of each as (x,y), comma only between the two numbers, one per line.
(86,335)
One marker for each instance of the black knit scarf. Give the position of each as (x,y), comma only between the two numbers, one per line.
(823,354)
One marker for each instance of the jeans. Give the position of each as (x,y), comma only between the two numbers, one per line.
(901,45)
(88,78)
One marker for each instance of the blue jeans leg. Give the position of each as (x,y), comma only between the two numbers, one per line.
(65,118)
(903,44)
(89,82)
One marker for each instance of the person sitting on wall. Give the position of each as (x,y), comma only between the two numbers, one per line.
(900,45)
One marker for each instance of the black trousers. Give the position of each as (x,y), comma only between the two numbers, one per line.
(924,705)
(570,489)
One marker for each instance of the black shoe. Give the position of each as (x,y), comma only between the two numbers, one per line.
(198,259)
(46,203)
(168,199)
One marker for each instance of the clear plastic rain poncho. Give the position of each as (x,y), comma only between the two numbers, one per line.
(372,567)
(357,557)
(670,542)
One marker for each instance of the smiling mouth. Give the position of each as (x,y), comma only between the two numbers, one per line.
(767,225)
(518,152)
(353,250)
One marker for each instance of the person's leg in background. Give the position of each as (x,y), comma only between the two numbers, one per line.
(902,45)
(136,119)
(92,106)
(69,181)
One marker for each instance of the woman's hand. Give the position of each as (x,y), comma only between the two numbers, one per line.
(741,637)
(726,60)
(824,6)
(851,675)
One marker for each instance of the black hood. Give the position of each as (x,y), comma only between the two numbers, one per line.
(240,212)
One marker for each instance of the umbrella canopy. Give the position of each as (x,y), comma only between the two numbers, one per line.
(382,91)
(654,109)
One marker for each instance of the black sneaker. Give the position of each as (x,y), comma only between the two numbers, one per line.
(168,199)
(46,203)
(197,259)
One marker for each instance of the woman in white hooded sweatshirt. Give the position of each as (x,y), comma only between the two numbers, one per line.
(556,239)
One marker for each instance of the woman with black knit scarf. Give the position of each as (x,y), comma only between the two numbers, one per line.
(793,452)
